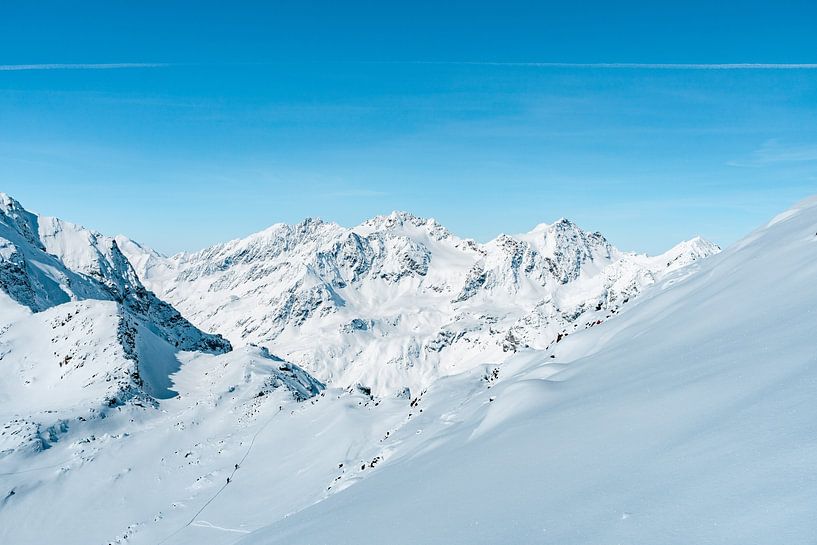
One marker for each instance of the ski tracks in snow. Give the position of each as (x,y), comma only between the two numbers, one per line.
(204,524)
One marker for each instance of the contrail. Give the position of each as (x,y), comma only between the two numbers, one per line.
(586,65)
(80,66)
(637,65)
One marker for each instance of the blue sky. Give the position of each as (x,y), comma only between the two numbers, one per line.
(491,117)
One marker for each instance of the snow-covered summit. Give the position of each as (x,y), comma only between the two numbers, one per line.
(399,300)
(46,261)
(76,324)
(686,252)
(404,223)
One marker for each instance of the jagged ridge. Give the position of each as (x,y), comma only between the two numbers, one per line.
(432,303)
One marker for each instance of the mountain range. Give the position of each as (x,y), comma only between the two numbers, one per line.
(399,301)
(395,383)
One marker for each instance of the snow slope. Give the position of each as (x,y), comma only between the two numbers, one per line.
(79,334)
(94,394)
(399,301)
(689,418)
(138,472)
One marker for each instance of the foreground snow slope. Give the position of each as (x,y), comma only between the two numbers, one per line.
(399,301)
(690,418)
(141,474)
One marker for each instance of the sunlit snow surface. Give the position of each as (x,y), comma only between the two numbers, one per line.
(689,417)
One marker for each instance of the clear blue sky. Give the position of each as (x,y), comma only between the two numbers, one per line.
(344,110)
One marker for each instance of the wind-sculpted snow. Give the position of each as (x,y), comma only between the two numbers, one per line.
(434,304)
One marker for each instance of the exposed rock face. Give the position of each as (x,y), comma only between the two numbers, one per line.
(45,262)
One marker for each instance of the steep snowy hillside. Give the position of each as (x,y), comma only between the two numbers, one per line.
(138,472)
(89,358)
(45,262)
(79,334)
(689,418)
(399,301)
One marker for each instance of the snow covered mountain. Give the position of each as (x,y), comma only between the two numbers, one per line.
(78,330)
(686,417)
(399,301)
(689,418)
(45,261)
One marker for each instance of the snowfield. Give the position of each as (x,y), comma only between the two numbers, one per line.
(430,390)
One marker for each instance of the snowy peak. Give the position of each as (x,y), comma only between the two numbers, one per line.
(563,234)
(688,251)
(266,245)
(404,223)
(45,262)
(30,275)
(566,248)
(15,217)
(398,300)
(79,250)
(89,253)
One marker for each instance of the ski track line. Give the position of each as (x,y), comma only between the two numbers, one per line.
(36,468)
(220,490)
(205,524)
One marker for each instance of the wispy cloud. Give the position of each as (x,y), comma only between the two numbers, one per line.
(774,152)
(80,66)
(354,193)
(637,65)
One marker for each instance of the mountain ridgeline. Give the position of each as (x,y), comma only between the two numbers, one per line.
(390,305)
(399,301)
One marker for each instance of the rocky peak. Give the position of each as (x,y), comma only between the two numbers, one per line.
(61,262)
(18,218)
(404,223)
